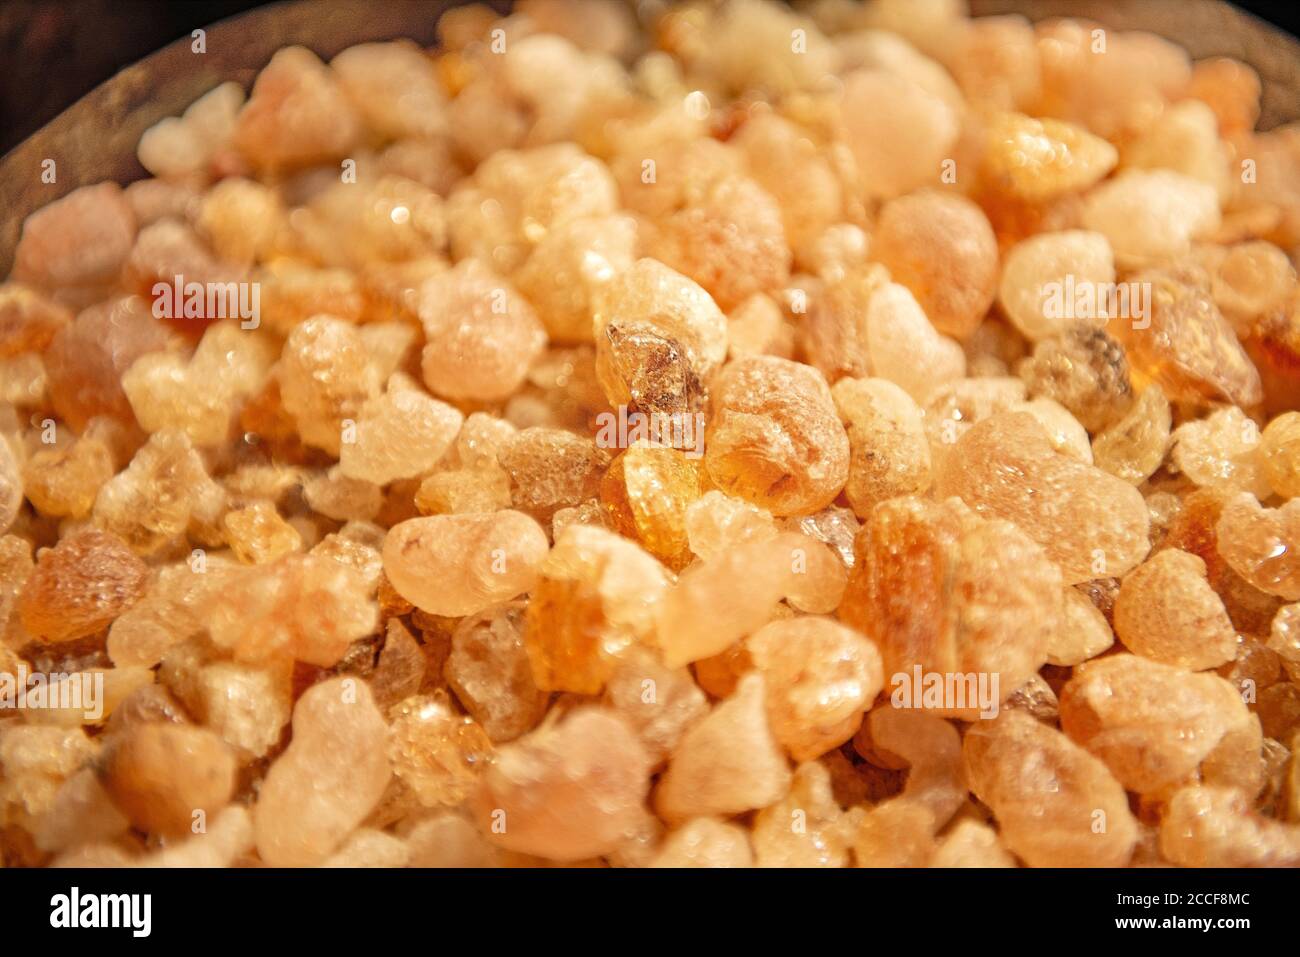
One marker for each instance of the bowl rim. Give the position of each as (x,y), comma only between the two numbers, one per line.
(94,140)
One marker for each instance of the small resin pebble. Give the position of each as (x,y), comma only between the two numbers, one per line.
(1039,271)
(889,454)
(1259,544)
(1150,215)
(1167,611)
(480,334)
(81,239)
(941,247)
(1185,344)
(329,778)
(1152,724)
(1084,370)
(820,677)
(399,435)
(144,767)
(595,596)
(489,671)
(941,590)
(460,564)
(566,792)
(659,336)
(728,763)
(79,586)
(1091,523)
(1134,447)
(1215,827)
(296,115)
(1055,804)
(775,438)
(1222,449)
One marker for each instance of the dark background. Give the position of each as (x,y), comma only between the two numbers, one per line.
(53,51)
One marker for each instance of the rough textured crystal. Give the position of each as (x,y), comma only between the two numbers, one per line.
(437,753)
(595,596)
(490,672)
(1089,522)
(81,239)
(1167,611)
(941,247)
(775,438)
(648,490)
(889,454)
(939,588)
(658,338)
(1038,159)
(820,677)
(1086,371)
(1188,349)
(1056,805)
(79,586)
(401,434)
(1152,724)
(1037,272)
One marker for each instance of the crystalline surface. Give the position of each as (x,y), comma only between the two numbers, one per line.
(1089,522)
(1046,793)
(80,585)
(1152,724)
(939,588)
(775,438)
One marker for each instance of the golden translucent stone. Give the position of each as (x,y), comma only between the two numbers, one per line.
(258,535)
(438,753)
(595,596)
(1048,794)
(1152,724)
(1186,346)
(1037,159)
(941,589)
(653,486)
(80,586)
(491,675)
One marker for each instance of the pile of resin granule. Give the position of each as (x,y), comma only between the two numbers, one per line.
(973,562)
